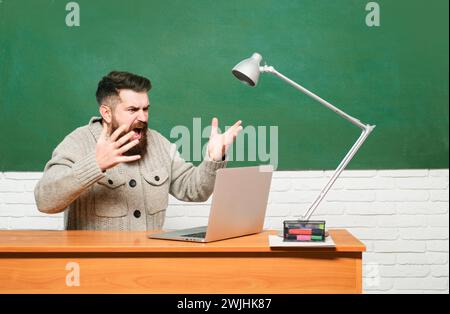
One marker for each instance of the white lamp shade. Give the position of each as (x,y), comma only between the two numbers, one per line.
(248,70)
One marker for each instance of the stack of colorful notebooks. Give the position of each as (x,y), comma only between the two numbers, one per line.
(304,231)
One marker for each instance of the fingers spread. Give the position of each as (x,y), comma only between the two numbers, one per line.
(214,126)
(235,129)
(235,126)
(239,129)
(127,147)
(238,123)
(119,131)
(129,158)
(124,139)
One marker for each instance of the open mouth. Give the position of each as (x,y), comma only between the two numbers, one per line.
(138,132)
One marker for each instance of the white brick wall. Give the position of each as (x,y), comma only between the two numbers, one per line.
(401,215)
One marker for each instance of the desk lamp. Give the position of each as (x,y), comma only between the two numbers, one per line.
(248,72)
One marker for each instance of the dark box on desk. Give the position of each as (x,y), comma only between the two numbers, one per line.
(304,230)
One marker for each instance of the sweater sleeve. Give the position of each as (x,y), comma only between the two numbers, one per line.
(190,183)
(68,174)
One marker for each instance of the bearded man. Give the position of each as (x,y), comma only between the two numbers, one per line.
(116,173)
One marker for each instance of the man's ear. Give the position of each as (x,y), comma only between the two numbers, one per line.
(106,113)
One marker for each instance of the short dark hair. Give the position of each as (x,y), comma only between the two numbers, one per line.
(110,84)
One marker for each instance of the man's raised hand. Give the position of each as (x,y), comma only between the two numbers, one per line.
(110,148)
(219,143)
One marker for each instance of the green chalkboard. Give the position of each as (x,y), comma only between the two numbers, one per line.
(394,75)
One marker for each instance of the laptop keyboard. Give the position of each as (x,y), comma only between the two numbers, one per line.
(195,235)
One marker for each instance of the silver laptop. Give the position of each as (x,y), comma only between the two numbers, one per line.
(238,207)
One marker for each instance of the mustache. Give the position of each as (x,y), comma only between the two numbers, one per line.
(140,125)
(143,126)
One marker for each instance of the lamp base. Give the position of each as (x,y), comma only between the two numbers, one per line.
(304,230)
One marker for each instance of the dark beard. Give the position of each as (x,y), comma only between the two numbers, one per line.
(141,147)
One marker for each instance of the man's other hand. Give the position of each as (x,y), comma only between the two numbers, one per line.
(219,143)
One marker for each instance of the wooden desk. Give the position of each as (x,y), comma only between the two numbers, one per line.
(129,262)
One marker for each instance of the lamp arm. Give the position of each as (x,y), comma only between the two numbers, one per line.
(353,120)
(366,130)
(337,172)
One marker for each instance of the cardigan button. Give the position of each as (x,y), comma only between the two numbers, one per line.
(137,213)
(110,181)
(132,183)
(157,178)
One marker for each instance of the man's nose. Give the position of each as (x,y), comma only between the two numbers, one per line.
(142,116)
